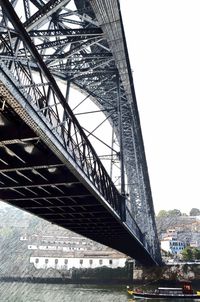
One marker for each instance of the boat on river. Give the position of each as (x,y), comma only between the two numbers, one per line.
(183,292)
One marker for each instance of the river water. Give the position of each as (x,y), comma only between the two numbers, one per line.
(34,292)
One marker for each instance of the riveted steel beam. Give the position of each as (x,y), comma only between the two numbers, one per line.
(68,32)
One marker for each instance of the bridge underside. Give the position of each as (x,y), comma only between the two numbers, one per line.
(36,180)
(48,166)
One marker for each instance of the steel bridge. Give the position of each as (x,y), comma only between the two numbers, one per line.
(49,165)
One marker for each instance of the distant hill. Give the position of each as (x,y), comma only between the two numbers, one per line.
(180,223)
(186,227)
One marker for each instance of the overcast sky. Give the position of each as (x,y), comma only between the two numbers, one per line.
(163,38)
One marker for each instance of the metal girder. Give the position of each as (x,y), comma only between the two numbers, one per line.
(83,56)
(49,198)
(64,207)
(35,185)
(68,32)
(33,167)
(27,9)
(60,42)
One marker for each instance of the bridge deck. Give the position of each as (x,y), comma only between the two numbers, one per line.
(37,180)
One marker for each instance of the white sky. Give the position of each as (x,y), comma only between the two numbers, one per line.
(163,38)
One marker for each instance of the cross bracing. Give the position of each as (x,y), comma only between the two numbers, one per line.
(81,44)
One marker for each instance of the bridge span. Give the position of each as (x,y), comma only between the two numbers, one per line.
(48,165)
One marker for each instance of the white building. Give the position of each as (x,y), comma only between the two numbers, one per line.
(67,263)
(169,242)
(172,245)
(65,253)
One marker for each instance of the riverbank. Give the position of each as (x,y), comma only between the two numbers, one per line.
(168,272)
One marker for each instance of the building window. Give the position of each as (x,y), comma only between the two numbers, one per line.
(46,261)
(36,260)
(110,261)
(56,261)
(100,261)
(90,262)
(66,261)
(81,261)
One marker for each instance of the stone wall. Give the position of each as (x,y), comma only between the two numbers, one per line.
(168,272)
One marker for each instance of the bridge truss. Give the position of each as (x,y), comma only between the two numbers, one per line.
(47,50)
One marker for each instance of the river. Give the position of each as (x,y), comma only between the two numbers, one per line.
(33,292)
(41,292)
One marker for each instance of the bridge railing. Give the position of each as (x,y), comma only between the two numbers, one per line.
(41,95)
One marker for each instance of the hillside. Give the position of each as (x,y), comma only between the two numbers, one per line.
(187,228)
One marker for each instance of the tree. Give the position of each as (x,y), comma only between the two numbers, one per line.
(187,254)
(174,212)
(196,253)
(170,213)
(162,213)
(194,212)
(190,253)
